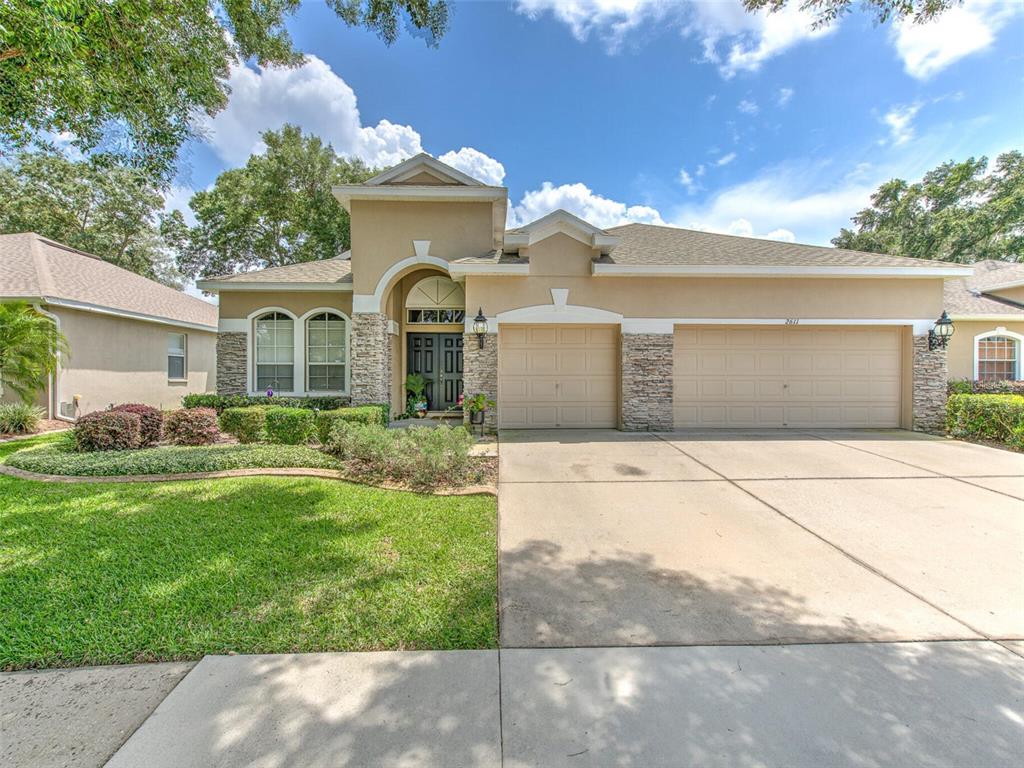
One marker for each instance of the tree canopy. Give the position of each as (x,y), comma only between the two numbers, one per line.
(958,212)
(129,77)
(278,209)
(30,349)
(105,209)
(826,12)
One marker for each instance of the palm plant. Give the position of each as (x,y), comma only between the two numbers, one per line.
(30,349)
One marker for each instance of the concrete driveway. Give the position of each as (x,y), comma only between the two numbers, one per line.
(612,539)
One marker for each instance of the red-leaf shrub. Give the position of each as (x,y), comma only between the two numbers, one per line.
(191,426)
(151,428)
(108,431)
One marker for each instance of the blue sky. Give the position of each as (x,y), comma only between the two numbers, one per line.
(689,114)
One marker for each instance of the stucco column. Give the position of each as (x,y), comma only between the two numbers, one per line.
(929,387)
(480,373)
(647,382)
(371,358)
(232,362)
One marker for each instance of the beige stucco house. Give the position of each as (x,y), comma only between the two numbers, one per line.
(638,327)
(988,309)
(130,338)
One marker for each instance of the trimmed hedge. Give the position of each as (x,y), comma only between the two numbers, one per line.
(289,426)
(975,387)
(151,422)
(191,426)
(987,417)
(108,431)
(246,424)
(359,414)
(221,402)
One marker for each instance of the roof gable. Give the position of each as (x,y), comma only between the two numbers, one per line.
(560,222)
(411,171)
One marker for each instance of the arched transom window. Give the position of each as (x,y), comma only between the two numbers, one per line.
(326,353)
(436,299)
(275,352)
(998,358)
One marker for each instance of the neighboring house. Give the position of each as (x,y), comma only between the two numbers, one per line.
(988,310)
(131,339)
(639,327)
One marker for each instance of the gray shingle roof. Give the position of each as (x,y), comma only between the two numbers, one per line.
(965,296)
(329,271)
(34,268)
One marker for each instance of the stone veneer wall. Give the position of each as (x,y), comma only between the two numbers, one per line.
(647,360)
(480,373)
(370,357)
(232,362)
(929,386)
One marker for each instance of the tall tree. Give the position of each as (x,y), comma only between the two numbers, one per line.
(957,212)
(129,76)
(30,349)
(99,207)
(277,209)
(826,12)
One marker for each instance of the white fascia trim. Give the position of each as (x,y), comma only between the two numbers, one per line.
(998,332)
(549,313)
(100,310)
(921,326)
(409,168)
(462,270)
(365,302)
(562,222)
(707,270)
(1001,286)
(988,318)
(346,193)
(213,286)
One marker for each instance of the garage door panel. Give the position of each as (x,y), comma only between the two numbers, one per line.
(787,377)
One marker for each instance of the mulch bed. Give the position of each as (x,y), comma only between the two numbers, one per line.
(46,425)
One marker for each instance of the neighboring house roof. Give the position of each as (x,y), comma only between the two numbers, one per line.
(34,268)
(969,297)
(321,275)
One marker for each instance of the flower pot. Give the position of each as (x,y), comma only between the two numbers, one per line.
(476,417)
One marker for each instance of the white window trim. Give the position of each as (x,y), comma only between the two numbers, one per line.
(348,352)
(184,359)
(298,356)
(1000,331)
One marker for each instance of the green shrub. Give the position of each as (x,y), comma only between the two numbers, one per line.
(151,422)
(20,418)
(246,424)
(289,426)
(191,426)
(959,387)
(220,402)
(360,414)
(421,456)
(977,387)
(987,417)
(108,431)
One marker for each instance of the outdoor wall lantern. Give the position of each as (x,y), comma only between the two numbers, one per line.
(480,326)
(939,336)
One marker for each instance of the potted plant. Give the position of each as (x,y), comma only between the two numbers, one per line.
(477,406)
(416,386)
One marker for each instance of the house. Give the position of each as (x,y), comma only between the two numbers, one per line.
(988,310)
(130,338)
(638,327)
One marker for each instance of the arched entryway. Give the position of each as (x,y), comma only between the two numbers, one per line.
(433,323)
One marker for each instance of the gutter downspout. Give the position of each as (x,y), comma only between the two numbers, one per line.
(52,402)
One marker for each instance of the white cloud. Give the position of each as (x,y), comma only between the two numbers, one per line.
(701,170)
(176,199)
(475,163)
(900,122)
(311,96)
(748,107)
(784,96)
(687,181)
(725,159)
(731,37)
(580,200)
(930,47)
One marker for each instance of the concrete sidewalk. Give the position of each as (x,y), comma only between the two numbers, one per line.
(857,705)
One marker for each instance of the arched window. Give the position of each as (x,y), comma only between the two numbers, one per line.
(997,357)
(275,352)
(326,353)
(436,299)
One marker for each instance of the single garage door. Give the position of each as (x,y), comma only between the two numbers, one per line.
(781,376)
(557,376)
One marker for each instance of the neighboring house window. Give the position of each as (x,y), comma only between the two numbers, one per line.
(998,358)
(326,352)
(176,367)
(275,352)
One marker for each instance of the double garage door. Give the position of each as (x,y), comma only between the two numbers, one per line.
(724,376)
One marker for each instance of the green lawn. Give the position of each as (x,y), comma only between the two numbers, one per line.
(98,574)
